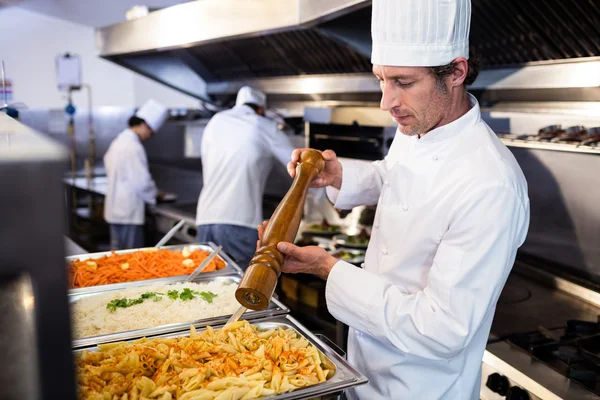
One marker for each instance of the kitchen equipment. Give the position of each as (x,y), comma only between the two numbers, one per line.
(236,315)
(259,281)
(33,279)
(572,134)
(360,241)
(549,132)
(170,234)
(203,265)
(353,256)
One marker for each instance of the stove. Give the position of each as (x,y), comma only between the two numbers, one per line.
(573,350)
(544,342)
(577,136)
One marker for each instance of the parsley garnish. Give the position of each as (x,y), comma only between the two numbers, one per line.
(126,303)
(188,294)
(185,295)
(208,296)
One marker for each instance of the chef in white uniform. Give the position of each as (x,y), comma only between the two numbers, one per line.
(452,209)
(130,185)
(239,148)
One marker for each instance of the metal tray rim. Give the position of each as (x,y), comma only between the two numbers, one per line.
(355,379)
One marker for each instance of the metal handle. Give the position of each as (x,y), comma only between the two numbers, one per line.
(4,87)
(203,265)
(331,344)
(170,234)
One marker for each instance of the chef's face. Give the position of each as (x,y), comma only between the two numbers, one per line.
(413,98)
(145,132)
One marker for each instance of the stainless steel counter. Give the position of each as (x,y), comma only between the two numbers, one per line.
(97,185)
(526,304)
(72,248)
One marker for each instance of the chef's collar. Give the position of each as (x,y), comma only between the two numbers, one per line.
(455,127)
(132,134)
(246,108)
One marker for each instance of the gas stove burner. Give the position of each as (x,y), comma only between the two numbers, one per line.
(550,129)
(593,132)
(592,137)
(576,130)
(549,132)
(572,134)
(579,327)
(573,350)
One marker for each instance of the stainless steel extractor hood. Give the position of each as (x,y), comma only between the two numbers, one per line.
(319,50)
(213,41)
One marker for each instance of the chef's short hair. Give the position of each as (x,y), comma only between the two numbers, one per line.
(253,106)
(474,63)
(135,121)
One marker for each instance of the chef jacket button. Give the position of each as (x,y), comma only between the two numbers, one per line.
(404,208)
(376,226)
(387,183)
(434,158)
(384,252)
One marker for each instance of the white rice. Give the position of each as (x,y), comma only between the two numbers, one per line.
(91,317)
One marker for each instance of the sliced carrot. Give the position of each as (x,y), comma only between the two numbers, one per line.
(142,265)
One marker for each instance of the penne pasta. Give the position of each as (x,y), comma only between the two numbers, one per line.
(239,362)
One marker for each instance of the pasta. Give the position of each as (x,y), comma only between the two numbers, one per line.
(138,265)
(237,362)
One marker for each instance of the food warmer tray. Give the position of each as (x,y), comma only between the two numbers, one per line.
(231,267)
(345,376)
(275,308)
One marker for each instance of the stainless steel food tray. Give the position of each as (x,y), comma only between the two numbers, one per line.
(357,255)
(230,269)
(275,308)
(345,375)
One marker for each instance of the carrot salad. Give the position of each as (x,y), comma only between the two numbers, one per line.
(138,265)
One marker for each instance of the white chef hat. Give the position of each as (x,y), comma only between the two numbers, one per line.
(420,33)
(153,113)
(252,96)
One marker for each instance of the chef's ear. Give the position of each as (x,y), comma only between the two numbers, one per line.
(261,111)
(459,72)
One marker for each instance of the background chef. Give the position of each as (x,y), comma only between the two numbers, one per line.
(452,209)
(130,185)
(239,148)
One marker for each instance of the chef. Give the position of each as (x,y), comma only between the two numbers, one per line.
(240,146)
(130,185)
(452,209)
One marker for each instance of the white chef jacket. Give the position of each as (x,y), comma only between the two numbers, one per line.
(129,182)
(238,150)
(452,209)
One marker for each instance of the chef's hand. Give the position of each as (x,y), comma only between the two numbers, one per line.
(261,233)
(308,260)
(331,174)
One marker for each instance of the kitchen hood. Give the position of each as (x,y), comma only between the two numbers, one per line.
(211,41)
(319,50)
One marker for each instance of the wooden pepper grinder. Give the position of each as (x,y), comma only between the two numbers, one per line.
(258,284)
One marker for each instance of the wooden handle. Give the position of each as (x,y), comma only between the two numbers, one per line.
(258,284)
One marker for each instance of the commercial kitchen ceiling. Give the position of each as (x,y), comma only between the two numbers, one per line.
(95,13)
